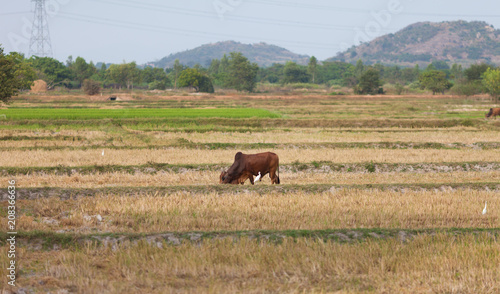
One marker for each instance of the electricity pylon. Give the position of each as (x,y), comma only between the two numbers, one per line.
(40,44)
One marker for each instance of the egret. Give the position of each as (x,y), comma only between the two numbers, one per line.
(257,178)
(484,210)
(102,152)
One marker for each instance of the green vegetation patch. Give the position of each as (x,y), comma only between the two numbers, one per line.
(40,240)
(247,123)
(316,166)
(248,146)
(92,113)
(72,193)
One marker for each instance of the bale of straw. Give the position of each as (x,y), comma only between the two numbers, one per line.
(39,86)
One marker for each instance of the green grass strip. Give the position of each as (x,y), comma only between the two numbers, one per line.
(72,193)
(247,120)
(182,143)
(315,166)
(44,240)
(127,113)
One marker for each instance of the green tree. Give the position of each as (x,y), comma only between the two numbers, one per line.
(312,67)
(359,69)
(409,75)
(206,85)
(156,78)
(101,75)
(369,82)
(213,70)
(50,70)
(294,73)
(15,75)
(435,81)
(272,74)
(476,71)
(333,73)
(125,74)
(8,84)
(193,78)
(214,67)
(491,81)
(466,88)
(416,71)
(219,71)
(431,67)
(440,65)
(393,75)
(82,70)
(456,71)
(25,74)
(241,74)
(178,68)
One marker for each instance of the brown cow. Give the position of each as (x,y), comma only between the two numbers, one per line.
(246,166)
(493,112)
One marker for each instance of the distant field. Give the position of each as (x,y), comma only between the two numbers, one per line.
(92,113)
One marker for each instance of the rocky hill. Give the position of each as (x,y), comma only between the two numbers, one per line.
(455,42)
(261,53)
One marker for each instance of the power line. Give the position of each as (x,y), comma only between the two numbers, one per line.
(235,18)
(357,10)
(182,32)
(15,13)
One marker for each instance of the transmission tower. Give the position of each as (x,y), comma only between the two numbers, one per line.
(40,38)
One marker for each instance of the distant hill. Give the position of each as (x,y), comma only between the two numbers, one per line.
(455,42)
(261,53)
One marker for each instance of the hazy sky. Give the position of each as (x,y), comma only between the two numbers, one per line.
(133,30)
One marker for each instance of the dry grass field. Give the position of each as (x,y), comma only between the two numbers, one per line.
(189,156)
(186,178)
(439,264)
(400,213)
(186,211)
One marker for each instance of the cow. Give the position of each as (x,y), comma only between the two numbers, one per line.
(493,112)
(246,166)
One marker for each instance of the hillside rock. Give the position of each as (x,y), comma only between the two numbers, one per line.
(459,42)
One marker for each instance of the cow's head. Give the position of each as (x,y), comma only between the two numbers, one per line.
(222,176)
(489,113)
(227,178)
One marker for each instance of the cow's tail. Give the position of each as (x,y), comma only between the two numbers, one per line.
(278,178)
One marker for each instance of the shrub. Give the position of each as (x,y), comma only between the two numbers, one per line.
(157,85)
(467,88)
(369,82)
(206,85)
(400,89)
(91,87)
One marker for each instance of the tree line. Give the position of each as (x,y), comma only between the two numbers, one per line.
(235,71)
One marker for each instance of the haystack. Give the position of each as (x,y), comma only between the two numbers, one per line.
(39,86)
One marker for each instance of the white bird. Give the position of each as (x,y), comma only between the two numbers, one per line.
(257,178)
(484,210)
(102,152)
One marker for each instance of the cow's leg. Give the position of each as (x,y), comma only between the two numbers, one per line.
(251,179)
(272,175)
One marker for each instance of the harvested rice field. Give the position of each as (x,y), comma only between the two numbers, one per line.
(377,195)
